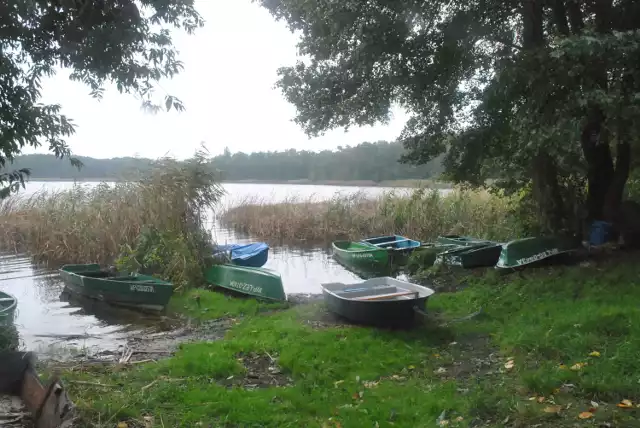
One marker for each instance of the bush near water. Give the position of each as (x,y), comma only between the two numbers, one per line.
(152,223)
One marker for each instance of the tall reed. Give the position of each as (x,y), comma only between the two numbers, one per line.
(83,224)
(423,214)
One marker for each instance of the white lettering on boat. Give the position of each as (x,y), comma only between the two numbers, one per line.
(143,288)
(362,255)
(538,256)
(243,286)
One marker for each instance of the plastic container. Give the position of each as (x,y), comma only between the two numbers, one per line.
(600,232)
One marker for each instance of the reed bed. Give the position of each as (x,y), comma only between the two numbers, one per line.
(93,224)
(423,214)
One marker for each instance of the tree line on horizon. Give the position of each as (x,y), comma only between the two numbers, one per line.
(367,161)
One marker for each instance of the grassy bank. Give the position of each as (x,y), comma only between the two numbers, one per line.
(553,348)
(161,211)
(423,214)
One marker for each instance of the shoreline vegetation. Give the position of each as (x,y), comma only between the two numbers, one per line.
(525,360)
(432,184)
(422,214)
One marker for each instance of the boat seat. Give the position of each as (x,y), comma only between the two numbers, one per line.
(389,295)
(359,292)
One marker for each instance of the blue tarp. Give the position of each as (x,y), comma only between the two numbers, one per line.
(254,254)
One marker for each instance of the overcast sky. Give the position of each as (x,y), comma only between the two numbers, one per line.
(227,88)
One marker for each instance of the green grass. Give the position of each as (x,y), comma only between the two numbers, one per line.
(546,320)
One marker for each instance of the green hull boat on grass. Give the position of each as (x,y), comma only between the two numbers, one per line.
(257,282)
(137,291)
(360,253)
(521,252)
(471,256)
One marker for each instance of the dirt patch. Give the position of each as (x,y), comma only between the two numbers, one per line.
(262,371)
(317,316)
(152,345)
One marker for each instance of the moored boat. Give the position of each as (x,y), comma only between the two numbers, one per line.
(360,253)
(257,282)
(459,240)
(252,255)
(8,304)
(427,253)
(521,252)
(399,247)
(381,301)
(471,256)
(135,290)
(50,406)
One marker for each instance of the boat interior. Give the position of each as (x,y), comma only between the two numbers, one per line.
(393,242)
(104,274)
(383,292)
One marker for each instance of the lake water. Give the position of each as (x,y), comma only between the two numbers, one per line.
(49,323)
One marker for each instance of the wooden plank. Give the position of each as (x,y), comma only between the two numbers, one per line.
(387,296)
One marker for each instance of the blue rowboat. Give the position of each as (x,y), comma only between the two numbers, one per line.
(250,255)
(395,243)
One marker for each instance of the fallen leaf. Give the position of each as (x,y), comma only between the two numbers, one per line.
(443,423)
(370,384)
(509,365)
(122,425)
(338,382)
(411,367)
(355,396)
(440,370)
(459,419)
(594,404)
(562,367)
(552,409)
(578,366)
(594,354)
(436,355)
(625,404)
(534,398)
(585,415)
(556,391)
(357,378)
(541,399)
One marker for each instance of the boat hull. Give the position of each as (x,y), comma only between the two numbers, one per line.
(135,291)
(398,247)
(522,252)
(256,282)
(379,313)
(356,253)
(459,240)
(8,305)
(471,256)
(50,406)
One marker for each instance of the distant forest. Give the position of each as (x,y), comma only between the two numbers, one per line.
(367,161)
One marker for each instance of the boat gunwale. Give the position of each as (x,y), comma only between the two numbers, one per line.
(373,248)
(12,307)
(430,291)
(152,281)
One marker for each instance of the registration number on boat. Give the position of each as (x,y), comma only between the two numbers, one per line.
(242,286)
(363,256)
(142,288)
(538,256)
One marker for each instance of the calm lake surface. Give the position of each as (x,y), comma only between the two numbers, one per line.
(53,324)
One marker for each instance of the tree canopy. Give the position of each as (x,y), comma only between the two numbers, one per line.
(367,161)
(541,94)
(123,42)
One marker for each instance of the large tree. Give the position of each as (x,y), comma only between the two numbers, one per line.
(541,94)
(122,42)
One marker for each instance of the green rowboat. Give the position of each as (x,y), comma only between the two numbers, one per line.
(525,251)
(471,256)
(426,255)
(460,240)
(257,282)
(8,304)
(138,291)
(360,253)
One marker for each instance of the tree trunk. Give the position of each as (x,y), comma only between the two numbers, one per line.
(546,192)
